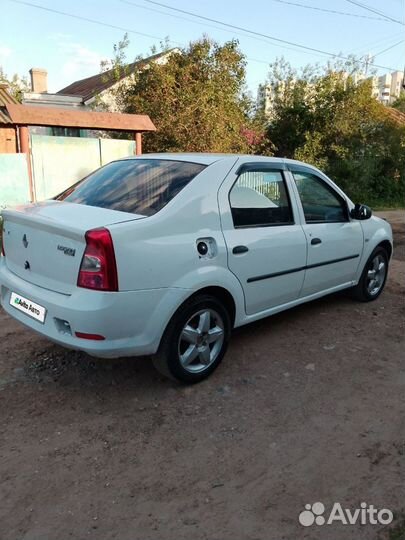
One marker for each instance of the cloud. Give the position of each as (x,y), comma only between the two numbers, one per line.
(71,60)
(80,61)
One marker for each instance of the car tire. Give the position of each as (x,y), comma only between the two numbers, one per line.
(373,277)
(195,340)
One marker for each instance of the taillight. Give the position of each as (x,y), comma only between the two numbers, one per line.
(98,269)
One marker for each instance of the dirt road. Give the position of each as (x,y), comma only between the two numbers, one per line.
(307,406)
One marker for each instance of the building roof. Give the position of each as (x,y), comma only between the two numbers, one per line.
(51,116)
(5,96)
(52,100)
(394,114)
(92,86)
(5,99)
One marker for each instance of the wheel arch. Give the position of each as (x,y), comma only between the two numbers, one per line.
(386,244)
(221,294)
(218,292)
(377,234)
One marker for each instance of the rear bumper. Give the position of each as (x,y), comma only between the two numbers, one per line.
(132,322)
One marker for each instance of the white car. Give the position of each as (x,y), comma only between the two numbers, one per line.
(164,254)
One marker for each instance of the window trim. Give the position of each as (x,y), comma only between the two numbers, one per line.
(260,167)
(318,178)
(263,167)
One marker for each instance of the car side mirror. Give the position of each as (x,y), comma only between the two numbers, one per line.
(361,211)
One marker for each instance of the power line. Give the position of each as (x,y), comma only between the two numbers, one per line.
(87,19)
(154,10)
(253,32)
(366,46)
(372,10)
(330,10)
(233,32)
(234,27)
(388,48)
(123,29)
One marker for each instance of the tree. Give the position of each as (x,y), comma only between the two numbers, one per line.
(17,85)
(196,99)
(328,117)
(399,103)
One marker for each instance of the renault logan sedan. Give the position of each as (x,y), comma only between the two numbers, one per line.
(164,254)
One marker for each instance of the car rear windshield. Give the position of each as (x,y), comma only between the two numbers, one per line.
(139,186)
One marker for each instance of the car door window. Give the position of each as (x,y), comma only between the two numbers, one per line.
(320,202)
(260,199)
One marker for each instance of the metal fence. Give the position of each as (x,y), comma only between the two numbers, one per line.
(268,184)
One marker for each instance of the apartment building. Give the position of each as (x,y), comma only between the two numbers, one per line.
(388,87)
(385,88)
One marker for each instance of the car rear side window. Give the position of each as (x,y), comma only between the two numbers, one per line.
(141,186)
(260,199)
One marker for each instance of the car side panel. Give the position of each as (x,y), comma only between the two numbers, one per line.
(271,271)
(375,231)
(157,252)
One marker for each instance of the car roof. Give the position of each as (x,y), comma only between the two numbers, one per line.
(204,159)
(209,158)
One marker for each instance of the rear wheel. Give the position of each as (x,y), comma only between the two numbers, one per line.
(373,278)
(195,340)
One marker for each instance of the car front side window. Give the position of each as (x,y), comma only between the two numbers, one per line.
(260,199)
(321,204)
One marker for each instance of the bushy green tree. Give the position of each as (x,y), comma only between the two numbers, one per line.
(328,117)
(399,103)
(196,99)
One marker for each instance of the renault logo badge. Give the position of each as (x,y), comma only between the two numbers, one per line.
(25,241)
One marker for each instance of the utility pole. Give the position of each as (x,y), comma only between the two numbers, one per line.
(367,61)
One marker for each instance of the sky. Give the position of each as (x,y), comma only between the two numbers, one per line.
(71,49)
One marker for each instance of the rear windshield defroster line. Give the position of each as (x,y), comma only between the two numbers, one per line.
(138,186)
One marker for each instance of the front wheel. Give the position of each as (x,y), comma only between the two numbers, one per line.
(195,340)
(373,278)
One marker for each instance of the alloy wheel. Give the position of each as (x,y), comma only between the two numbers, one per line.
(376,275)
(201,340)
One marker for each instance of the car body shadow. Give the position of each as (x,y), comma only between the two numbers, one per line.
(53,364)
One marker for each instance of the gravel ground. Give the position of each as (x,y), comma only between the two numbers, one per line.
(307,406)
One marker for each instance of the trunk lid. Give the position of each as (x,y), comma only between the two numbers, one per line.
(44,243)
